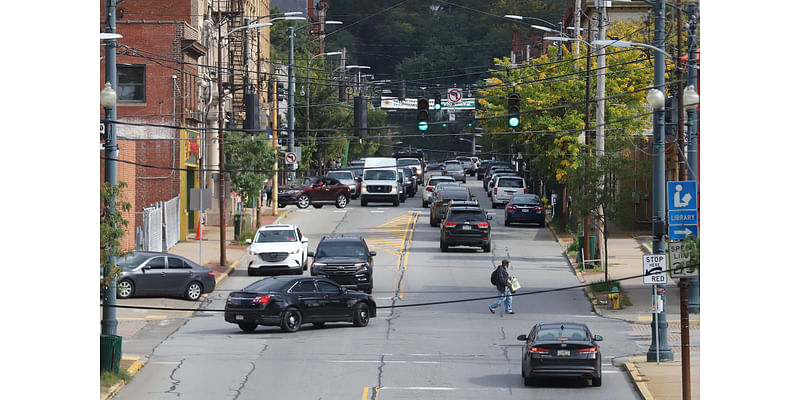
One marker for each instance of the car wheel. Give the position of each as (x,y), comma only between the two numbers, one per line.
(424,204)
(361,315)
(291,320)
(443,246)
(507,222)
(193,291)
(364,202)
(396,202)
(341,201)
(597,381)
(487,248)
(319,325)
(317,205)
(303,201)
(125,289)
(281,205)
(248,326)
(529,380)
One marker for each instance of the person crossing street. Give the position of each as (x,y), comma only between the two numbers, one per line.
(499,279)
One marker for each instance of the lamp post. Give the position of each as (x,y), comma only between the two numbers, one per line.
(690,102)
(290,117)
(108,99)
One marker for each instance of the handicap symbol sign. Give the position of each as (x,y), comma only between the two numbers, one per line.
(682,195)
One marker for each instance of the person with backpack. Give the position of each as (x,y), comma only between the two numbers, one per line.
(499,279)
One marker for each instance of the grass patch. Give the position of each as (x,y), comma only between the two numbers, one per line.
(109,379)
(243,236)
(604,286)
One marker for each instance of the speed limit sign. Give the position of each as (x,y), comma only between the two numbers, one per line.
(655,269)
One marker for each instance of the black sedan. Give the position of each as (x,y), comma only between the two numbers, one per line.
(290,301)
(561,349)
(525,208)
(162,274)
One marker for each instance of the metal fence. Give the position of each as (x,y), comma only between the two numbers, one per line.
(161,226)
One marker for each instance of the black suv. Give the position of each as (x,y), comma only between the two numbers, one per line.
(441,201)
(345,260)
(466,224)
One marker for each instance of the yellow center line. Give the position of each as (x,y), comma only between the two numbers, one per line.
(405,259)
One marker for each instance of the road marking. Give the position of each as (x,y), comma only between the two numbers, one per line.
(341,211)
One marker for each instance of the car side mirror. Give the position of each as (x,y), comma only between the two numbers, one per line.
(372,253)
(488,217)
(303,240)
(342,289)
(146,267)
(248,241)
(311,254)
(522,337)
(598,338)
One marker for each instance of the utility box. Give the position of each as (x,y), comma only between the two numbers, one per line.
(591,253)
(110,353)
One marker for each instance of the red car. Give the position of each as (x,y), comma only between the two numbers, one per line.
(316,191)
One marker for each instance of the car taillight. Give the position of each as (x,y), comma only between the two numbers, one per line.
(590,350)
(540,350)
(495,190)
(510,207)
(524,190)
(483,224)
(261,300)
(449,224)
(211,274)
(537,208)
(429,188)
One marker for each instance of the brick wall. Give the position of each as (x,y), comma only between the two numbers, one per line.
(126,172)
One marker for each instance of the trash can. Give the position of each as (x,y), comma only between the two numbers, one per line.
(591,246)
(110,353)
(237,226)
(613,298)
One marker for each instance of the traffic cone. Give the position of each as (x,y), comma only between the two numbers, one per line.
(199,234)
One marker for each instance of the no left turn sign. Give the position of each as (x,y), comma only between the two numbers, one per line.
(291,158)
(454,95)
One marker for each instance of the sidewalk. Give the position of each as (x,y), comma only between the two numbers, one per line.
(191,249)
(661,381)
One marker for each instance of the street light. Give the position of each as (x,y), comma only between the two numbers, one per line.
(625,43)
(290,118)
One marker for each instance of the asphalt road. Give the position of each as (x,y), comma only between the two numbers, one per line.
(448,351)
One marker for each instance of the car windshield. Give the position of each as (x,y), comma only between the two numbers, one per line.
(275,235)
(453,167)
(568,333)
(509,182)
(266,285)
(132,260)
(341,250)
(455,195)
(407,162)
(434,182)
(528,199)
(463,216)
(440,185)
(379,175)
(342,176)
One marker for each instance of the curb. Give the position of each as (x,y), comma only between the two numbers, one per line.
(113,390)
(637,378)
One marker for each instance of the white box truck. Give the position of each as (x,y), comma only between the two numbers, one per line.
(380,181)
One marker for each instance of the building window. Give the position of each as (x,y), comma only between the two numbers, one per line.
(130,83)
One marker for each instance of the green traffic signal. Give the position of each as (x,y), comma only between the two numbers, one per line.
(513,122)
(422,125)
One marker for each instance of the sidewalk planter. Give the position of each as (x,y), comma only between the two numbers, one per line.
(110,353)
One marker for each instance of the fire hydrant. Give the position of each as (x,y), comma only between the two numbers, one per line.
(613,298)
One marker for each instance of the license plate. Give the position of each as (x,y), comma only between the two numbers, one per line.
(466,228)
(525,210)
(563,353)
(239,317)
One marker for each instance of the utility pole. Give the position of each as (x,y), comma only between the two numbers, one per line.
(692,113)
(109,320)
(587,141)
(292,167)
(659,350)
(221,138)
(600,124)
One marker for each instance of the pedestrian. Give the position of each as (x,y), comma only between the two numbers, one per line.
(268,192)
(500,281)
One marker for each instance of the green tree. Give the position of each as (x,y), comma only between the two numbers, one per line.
(112,228)
(249,161)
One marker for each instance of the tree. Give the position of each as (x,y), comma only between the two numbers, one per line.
(249,161)
(112,228)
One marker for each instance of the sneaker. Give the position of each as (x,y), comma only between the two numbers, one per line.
(491,309)
(510,312)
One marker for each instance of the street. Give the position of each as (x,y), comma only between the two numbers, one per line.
(457,350)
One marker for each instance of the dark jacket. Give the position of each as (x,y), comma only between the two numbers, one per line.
(500,278)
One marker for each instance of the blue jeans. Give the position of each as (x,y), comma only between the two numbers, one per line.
(504,295)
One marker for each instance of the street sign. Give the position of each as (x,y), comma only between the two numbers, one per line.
(682,231)
(454,95)
(676,257)
(682,217)
(655,269)
(291,158)
(682,195)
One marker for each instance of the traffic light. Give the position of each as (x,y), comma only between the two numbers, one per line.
(513,110)
(360,116)
(422,114)
(437,101)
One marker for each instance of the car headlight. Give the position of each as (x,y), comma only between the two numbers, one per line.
(251,252)
(295,251)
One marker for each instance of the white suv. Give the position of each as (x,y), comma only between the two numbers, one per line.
(505,186)
(277,249)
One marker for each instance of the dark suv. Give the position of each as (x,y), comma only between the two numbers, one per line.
(466,224)
(345,260)
(316,191)
(442,200)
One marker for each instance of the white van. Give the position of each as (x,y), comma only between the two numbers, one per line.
(380,181)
